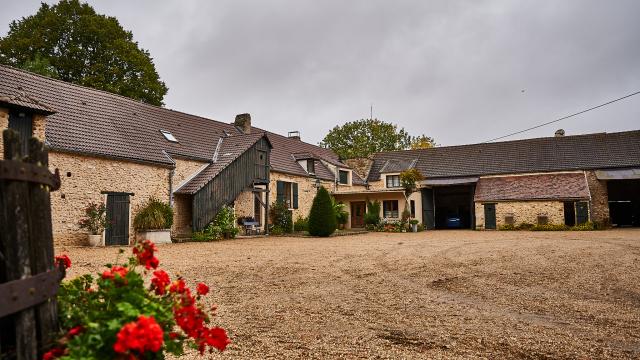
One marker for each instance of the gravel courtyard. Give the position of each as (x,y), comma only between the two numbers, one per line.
(444,294)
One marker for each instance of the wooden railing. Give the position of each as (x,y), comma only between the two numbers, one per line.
(29,278)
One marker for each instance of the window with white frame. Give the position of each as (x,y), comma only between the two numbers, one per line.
(390,209)
(393,181)
(343,177)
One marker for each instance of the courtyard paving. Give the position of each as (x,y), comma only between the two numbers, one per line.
(444,294)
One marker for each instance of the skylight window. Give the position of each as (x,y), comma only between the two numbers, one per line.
(169,136)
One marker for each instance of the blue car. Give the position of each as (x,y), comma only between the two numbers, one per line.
(453,222)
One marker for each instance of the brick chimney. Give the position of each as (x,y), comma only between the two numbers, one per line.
(243,121)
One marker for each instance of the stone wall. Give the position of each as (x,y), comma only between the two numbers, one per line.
(523,212)
(306,191)
(184,170)
(182,208)
(4,123)
(599,205)
(83,180)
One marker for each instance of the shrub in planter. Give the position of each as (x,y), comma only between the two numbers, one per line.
(153,215)
(281,218)
(301,224)
(322,218)
(95,218)
(116,316)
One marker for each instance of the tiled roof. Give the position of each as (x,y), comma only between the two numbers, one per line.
(230,149)
(578,152)
(97,122)
(533,187)
(397,165)
(22,99)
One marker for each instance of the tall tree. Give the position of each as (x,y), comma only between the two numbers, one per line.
(422,142)
(71,42)
(361,138)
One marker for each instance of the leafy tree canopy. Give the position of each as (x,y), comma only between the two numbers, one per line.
(364,137)
(71,42)
(422,142)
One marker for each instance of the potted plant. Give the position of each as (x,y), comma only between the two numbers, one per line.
(153,221)
(226,221)
(414,224)
(342,216)
(94,221)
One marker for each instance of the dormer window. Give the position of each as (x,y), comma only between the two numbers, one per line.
(311,166)
(169,136)
(343,177)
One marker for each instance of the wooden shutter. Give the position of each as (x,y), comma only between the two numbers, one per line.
(23,124)
(280,191)
(294,190)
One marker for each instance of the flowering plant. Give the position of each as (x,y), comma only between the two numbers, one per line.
(115,316)
(95,218)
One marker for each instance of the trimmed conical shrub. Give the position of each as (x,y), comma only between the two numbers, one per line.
(322,219)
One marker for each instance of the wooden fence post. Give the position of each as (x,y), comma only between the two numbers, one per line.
(28,317)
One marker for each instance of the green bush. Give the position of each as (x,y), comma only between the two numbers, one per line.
(226,221)
(421,227)
(508,227)
(210,233)
(372,217)
(588,226)
(322,218)
(550,227)
(281,218)
(524,226)
(301,224)
(153,215)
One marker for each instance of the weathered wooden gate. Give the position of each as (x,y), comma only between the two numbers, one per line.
(117,233)
(29,278)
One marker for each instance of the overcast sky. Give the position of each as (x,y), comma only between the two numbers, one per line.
(459,71)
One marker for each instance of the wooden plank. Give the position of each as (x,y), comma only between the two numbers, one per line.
(15,243)
(41,245)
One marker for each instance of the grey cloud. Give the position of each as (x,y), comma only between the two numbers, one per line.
(452,70)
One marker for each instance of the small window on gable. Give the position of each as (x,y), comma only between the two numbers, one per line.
(311,166)
(169,136)
(393,181)
(343,177)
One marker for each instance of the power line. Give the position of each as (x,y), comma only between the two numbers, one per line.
(563,118)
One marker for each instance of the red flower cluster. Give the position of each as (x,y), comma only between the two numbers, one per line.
(115,273)
(142,335)
(53,353)
(202,289)
(64,259)
(192,319)
(160,281)
(144,252)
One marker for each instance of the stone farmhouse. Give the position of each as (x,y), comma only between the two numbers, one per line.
(556,180)
(119,151)
(112,149)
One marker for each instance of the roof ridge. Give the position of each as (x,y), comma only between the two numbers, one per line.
(421,151)
(138,102)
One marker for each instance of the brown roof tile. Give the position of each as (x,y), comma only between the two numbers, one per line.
(578,152)
(533,187)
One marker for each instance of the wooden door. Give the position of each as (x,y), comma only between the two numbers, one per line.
(582,212)
(490,216)
(357,214)
(428,209)
(117,233)
(22,123)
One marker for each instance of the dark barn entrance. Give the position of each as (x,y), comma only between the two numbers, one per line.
(624,202)
(117,233)
(449,207)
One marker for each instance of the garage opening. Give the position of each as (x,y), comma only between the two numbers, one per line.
(453,207)
(624,202)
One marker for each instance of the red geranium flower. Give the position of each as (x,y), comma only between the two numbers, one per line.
(144,252)
(53,354)
(64,259)
(202,289)
(140,336)
(74,331)
(178,287)
(116,273)
(160,281)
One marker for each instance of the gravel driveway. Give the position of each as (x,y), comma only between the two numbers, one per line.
(444,294)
